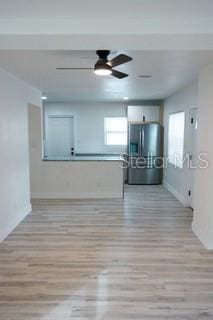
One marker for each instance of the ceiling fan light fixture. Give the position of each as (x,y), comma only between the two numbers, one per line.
(102,72)
(105,67)
(102,69)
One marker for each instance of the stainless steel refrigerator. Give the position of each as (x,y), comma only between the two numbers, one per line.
(145,152)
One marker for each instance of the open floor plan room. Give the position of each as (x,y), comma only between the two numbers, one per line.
(106,160)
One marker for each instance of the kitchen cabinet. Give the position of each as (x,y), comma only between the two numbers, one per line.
(143,113)
(135,113)
(151,113)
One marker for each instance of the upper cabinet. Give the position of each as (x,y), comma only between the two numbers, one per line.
(135,113)
(143,113)
(151,114)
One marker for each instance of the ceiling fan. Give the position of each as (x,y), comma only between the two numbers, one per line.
(104,67)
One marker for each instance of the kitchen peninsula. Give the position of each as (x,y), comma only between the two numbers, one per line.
(81,176)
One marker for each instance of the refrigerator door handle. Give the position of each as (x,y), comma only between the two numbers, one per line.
(140,143)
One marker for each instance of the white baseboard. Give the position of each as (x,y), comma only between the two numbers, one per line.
(5,231)
(77,195)
(175,193)
(202,236)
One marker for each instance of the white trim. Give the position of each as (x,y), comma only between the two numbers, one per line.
(175,193)
(13,224)
(191,136)
(78,195)
(202,236)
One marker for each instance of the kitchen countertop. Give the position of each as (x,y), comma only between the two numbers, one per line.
(86,157)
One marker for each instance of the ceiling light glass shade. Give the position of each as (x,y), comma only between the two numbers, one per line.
(103,72)
(103,69)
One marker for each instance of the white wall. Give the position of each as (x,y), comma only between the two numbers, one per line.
(89,123)
(203,213)
(176,179)
(14,158)
(69,179)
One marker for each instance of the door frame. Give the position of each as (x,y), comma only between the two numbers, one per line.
(59,116)
(191,140)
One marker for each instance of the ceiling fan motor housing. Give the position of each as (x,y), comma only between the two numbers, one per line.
(103,54)
(102,61)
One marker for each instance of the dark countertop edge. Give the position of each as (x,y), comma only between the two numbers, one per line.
(83,160)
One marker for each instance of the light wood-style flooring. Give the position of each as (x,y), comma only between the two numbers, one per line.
(107,260)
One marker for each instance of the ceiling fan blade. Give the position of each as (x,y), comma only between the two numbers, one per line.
(74,68)
(122,58)
(118,74)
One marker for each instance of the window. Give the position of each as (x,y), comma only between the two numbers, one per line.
(115,131)
(176,139)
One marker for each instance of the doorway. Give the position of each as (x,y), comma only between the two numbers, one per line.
(192,155)
(60,136)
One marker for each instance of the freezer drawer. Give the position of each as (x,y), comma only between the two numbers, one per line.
(145,176)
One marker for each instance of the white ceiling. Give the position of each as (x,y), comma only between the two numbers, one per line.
(148,25)
(126,9)
(170,71)
(89,24)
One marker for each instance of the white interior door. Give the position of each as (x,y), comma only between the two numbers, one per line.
(60,136)
(193,154)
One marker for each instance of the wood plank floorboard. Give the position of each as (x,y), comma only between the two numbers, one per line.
(135,258)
